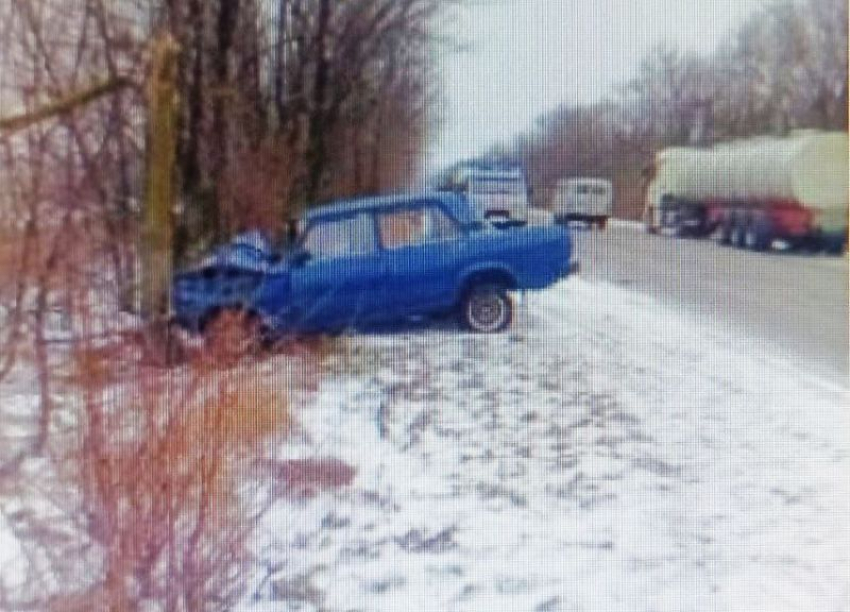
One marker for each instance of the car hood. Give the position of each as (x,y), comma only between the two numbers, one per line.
(236,256)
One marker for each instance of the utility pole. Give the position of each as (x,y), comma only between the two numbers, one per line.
(160,189)
(160,186)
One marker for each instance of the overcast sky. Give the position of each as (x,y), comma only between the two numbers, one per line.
(529,56)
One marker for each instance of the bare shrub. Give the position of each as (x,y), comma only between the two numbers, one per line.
(152,485)
(160,460)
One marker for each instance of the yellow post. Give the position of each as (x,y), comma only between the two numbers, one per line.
(160,188)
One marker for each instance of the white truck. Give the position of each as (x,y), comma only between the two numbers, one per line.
(756,191)
(589,200)
(499,192)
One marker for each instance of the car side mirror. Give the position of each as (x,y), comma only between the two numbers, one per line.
(300,257)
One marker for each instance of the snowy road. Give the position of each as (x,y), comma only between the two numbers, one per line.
(607,454)
(791,304)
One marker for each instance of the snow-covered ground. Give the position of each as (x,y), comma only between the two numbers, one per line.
(607,454)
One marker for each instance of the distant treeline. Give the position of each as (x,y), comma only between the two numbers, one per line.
(784,68)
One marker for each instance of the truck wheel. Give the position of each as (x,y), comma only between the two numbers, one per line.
(758,234)
(835,245)
(649,220)
(726,225)
(737,235)
(486,309)
(812,244)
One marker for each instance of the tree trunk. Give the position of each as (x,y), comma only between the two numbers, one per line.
(188,228)
(228,17)
(280,64)
(317,130)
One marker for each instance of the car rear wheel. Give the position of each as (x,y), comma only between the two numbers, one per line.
(487,309)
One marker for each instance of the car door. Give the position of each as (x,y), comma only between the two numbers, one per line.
(423,249)
(337,282)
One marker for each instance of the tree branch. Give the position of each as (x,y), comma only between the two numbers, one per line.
(62,106)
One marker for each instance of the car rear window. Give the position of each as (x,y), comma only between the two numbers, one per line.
(414,226)
(402,228)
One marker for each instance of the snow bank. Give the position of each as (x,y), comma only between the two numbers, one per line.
(607,454)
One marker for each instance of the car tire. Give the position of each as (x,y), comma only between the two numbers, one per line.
(486,309)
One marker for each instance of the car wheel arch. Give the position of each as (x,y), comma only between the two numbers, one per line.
(210,315)
(499,276)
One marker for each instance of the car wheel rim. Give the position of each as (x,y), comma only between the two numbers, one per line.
(486,311)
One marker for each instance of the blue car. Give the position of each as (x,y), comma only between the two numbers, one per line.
(365,261)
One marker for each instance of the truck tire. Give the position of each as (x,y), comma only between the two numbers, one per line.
(649,220)
(758,234)
(486,308)
(739,227)
(682,231)
(834,245)
(811,244)
(726,224)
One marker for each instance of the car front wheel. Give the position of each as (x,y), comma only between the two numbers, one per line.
(487,309)
(233,333)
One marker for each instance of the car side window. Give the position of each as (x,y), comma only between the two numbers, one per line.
(345,237)
(402,228)
(438,225)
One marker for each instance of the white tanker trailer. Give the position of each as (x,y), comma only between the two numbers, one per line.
(755,191)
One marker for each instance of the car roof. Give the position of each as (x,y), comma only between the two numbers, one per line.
(455,203)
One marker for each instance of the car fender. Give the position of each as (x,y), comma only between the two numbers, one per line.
(485,272)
